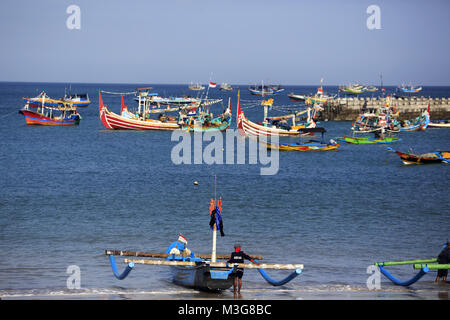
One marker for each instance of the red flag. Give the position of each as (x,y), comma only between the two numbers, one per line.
(212,84)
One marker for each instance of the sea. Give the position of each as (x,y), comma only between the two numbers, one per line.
(69,193)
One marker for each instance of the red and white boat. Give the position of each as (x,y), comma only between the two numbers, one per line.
(247,127)
(129,121)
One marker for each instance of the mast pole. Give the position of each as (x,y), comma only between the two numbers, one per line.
(213,253)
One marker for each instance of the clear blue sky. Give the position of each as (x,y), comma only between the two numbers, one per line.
(238,41)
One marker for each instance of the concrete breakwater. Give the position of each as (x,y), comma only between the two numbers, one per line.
(348,109)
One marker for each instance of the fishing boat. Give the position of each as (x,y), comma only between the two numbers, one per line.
(203,121)
(196,87)
(309,145)
(317,99)
(273,125)
(353,89)
(226,87)
(77,99)
(379,138)
(409,89)
(371,89)
(425,158)
(204,272)
(139,121)
(59,113)
(265,90)
(419,123)
(439,124)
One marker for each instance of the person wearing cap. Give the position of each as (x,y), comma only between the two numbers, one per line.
(443,258)
(238,256)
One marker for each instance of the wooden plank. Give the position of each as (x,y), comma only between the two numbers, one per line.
(165,255)
(217,264)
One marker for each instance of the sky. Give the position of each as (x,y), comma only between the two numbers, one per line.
(288,42)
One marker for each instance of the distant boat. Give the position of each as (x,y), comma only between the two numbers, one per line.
(318,99)
(409,89)
(196,87)
(371,89)
(226,87)
(78,99)
(439,124)
(353,89)
(265,90)
(432,157)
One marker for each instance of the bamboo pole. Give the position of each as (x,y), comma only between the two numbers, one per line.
(165,255)
(217,264)
(432,266)
(397,263)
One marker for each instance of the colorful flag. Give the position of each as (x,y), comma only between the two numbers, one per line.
(182,239)
(212,84)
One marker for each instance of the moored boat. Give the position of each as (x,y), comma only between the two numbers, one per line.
(439,124)
(249,128)
(196,87)
(203,121)
(265,90)
(226,87)
(60,114)
(77,99)
(425,158)
(309,145)
(129,121)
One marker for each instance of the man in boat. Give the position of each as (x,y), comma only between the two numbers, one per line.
(443,258)
(238,256)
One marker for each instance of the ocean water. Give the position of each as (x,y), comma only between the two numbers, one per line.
(69,193)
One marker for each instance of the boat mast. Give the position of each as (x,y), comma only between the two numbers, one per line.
(213,253)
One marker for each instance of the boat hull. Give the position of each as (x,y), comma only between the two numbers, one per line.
(440,124)
(304,147)
(203,278)
(35,118)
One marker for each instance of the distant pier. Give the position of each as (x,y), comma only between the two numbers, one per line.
(348,108)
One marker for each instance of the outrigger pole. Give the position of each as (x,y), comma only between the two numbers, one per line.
(425,265)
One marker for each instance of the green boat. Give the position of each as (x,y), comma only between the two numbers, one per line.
(367,140)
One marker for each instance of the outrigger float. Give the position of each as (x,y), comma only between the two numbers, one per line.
(205,272)
(423,265)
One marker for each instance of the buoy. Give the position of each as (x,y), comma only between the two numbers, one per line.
(195,183)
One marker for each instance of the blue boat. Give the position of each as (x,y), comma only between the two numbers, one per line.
(201,272)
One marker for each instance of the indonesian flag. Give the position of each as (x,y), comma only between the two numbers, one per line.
(212,84)
(182,239)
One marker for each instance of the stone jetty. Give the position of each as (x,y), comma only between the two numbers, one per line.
(348,109)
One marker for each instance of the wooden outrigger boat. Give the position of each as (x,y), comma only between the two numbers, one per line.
(367,140)
(201,272)
(418,124)
(203,121)
(265,90)
(55,113)
(249,128)
(129,121)
(310,145)
(432,157)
